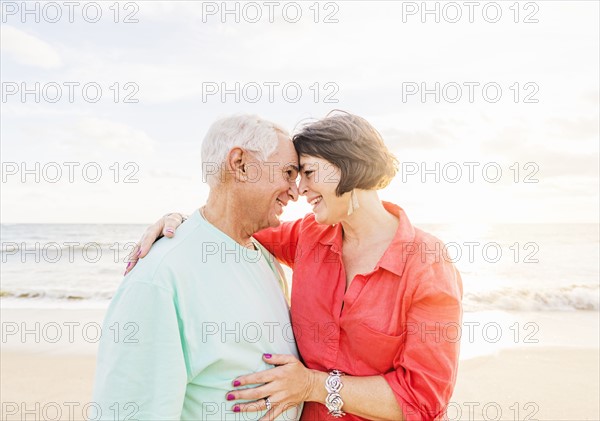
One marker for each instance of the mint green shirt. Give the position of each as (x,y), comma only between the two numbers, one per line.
(197,312)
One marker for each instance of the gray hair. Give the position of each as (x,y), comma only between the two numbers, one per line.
(245,131)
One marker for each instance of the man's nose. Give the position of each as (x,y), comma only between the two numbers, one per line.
(293,191)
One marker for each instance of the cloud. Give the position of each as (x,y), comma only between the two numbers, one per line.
(564,151)
(27,49)
(18,110)
(112,136)
(403,139)
(438,133)
(183,175)
(579,128)
(592,97)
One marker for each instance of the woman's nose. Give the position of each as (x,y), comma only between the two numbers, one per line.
(302,188)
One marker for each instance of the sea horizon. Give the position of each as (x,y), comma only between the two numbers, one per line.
(509,267)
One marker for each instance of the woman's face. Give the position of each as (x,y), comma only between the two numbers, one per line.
(318,180)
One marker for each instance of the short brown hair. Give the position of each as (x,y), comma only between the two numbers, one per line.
(354,146)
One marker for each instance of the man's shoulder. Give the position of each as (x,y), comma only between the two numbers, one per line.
(168,255)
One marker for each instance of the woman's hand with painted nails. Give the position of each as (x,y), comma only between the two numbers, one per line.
(164,227)
(288,384)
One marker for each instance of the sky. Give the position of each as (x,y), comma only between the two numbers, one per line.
(491,108)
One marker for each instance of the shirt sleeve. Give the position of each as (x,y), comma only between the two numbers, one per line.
(425,367)
(281,241)
(141,371)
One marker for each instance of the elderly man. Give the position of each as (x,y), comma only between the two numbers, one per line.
(205,306)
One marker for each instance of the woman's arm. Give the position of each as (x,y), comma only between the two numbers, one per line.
(425,369)
(280,241)
(369,397)
(291,383)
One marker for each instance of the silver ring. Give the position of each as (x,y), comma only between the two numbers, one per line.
(268,403)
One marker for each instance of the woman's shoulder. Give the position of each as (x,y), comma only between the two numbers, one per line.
(425,237)
(434,265)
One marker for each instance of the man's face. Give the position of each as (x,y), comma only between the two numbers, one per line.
(274,183)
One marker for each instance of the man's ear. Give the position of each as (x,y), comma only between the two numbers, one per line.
(236,163)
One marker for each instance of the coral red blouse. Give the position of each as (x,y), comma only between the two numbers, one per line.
(402,320)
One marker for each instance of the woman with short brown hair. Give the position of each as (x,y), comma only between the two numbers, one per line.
(372,296)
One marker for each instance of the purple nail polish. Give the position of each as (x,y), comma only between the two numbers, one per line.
(170,230)
(236,408)
(230,397)
(139,252)
(267,356)
(236,383)
(128,264)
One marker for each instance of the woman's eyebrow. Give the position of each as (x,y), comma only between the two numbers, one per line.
(308,166)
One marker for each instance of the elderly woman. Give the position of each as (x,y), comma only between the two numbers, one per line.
(373,300)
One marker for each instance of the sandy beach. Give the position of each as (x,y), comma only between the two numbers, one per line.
(52,378)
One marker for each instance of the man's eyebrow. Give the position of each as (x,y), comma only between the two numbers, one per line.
(294,167)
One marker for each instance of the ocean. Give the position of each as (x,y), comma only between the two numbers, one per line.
(509,267)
